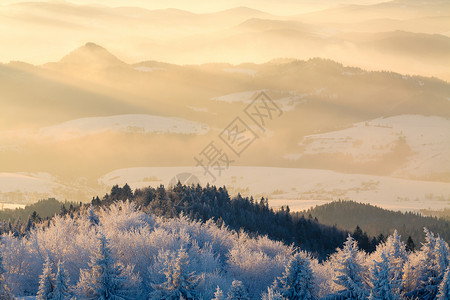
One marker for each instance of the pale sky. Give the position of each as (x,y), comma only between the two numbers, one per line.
(282,7)
(52,33)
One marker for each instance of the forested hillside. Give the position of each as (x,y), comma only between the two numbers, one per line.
(203,204)
(253,216)
(42,209)
(117,251)
(20,221)
(374,220)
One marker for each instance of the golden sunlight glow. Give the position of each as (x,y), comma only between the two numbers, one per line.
(93,87)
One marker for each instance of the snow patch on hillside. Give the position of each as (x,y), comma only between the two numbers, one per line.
(25,187)
(123,123)
(245,97)
(301,184)
(286,100)
(27,182)
(428,137)
(197,109)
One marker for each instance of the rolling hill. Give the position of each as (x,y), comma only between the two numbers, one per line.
(235,34)
(373,220)
(343,120)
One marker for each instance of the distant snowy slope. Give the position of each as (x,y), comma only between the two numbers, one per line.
(286,100)
(124,123)
(428,138)
(27,182)
(28,187)
(245,97)
(300,184)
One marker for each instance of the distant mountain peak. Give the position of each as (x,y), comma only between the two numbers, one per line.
(244,10)
(93,46)
(91,54)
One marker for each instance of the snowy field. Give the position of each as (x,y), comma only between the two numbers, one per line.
(298,187)
(427,137)
(27,187)
(27,182)
(24,188)
(11,206)
(123,123)
(286,100)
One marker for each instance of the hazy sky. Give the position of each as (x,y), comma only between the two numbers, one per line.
(45,110)
(282,7)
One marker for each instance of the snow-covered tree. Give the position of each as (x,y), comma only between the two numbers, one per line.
(218,295)
(350,271)
(395,251)
(105,279)
(5,293)
(179,283)
(46,282)
(272,294)
(431,263)
(444,287)
(395,247)
(383,285)
(61,290)
(410,276)
(429,257)
(92,216)
(442,256)
(297,282)
(237,291)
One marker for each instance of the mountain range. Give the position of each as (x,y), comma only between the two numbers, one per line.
(141,103)
(376,36)
(90,113)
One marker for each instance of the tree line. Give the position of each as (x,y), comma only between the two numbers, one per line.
(117,251)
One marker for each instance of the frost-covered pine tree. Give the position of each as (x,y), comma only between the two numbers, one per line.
(5,293)
(381,280)
(179,283)
(350,267)
(432,263)
(395,251)
(428,257)
(237,291)
(61,290)
(218,295)
(396,248)
(444,288)
(442,256)
(105,279)
(272,295)
(297,282)
(46,282)
(92,216)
